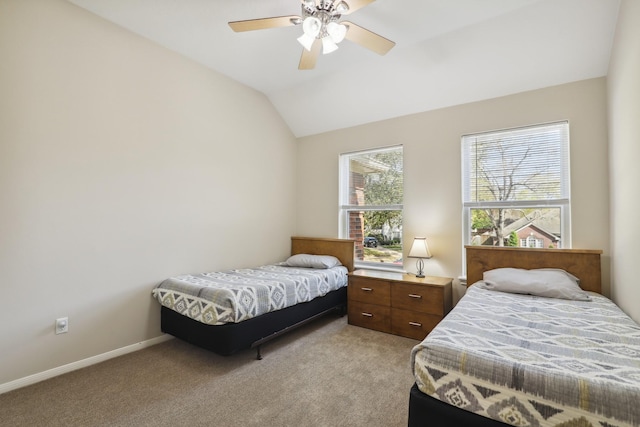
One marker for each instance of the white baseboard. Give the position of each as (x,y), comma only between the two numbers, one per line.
(41,376)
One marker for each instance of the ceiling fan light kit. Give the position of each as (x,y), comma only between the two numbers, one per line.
(321,22)
(322,29)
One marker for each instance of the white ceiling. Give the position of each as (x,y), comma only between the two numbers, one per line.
(447,52)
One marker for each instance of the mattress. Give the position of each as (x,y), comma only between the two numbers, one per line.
(233,296)
(534,361)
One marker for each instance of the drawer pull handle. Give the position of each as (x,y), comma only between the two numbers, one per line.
(415,296)
(367,314)
(415,324)
(367,289)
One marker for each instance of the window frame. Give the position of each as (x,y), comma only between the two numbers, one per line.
(345,208)
(563,202)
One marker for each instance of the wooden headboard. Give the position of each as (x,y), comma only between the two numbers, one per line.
(582,263)
(343,249)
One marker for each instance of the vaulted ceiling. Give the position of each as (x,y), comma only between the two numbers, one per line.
(447,52)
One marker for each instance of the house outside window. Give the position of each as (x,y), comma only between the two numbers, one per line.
(516,189)
(371,197)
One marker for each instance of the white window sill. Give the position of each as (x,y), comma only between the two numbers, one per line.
(373,266)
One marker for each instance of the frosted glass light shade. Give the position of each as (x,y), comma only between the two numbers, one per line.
(336,31)
(306,41)
(328,45)
(311,26)
(342,7)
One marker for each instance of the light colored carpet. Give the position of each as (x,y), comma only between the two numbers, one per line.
(327,373)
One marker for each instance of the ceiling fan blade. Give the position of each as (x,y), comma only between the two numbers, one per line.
(309,58)
(356,4)
(264,23)
(368,39)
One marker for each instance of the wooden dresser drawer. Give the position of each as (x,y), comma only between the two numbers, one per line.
(369,316)
(412,324)
(369,291)
(416,297)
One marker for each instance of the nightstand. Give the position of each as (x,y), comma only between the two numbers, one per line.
(397,303)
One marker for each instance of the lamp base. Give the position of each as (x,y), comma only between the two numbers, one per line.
(420,267)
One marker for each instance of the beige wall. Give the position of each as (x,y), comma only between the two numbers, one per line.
(121,163)
(624,142)
(431,140)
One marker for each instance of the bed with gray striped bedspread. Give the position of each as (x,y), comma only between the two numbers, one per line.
(233,296)
(534,361)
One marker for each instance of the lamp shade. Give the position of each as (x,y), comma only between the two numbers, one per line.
(419,248)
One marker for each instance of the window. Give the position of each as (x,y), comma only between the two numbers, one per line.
(531,242)
(371,192)
(516,189)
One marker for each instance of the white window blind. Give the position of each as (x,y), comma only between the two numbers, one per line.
(524,164)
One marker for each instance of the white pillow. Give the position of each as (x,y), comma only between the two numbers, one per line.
(544,282)
(312,261)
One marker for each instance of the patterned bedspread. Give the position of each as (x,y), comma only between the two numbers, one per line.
(236,295)
(534,361)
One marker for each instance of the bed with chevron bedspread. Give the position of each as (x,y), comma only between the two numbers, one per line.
(534,361)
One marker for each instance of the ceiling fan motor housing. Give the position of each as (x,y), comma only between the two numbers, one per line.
(328,8)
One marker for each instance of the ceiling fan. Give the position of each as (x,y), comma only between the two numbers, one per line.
(322,28)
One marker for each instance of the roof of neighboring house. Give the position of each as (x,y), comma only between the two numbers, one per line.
(547,224)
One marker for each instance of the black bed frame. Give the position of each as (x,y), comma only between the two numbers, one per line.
(252,333)
(425,410)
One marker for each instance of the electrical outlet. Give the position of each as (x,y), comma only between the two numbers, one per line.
(62,325)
